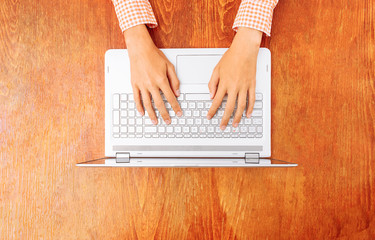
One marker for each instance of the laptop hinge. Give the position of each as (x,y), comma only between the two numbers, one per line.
(123,157)
(252,158)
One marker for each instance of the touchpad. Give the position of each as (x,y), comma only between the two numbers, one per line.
(196,69)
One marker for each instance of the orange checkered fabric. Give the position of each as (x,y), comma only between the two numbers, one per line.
(131,13)
(256,14)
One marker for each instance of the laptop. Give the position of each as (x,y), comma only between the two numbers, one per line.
(131,140)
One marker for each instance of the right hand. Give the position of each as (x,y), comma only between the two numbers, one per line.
(151,72)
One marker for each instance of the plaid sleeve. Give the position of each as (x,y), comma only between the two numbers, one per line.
(256,14)
(131,13)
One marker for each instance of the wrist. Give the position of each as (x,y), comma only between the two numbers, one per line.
(137,37)
(247,38)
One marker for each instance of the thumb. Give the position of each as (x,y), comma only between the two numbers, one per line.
(173,80)
(214,81)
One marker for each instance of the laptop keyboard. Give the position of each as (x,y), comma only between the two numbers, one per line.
(128,123)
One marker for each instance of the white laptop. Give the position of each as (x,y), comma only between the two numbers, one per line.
(191,140)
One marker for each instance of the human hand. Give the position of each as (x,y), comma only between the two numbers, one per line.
(235,76)
(151,72)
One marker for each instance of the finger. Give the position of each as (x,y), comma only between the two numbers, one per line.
(216,102)
(241,105)
(173,80)
(137,100)
(171,98)
(148,105)
(214,81)
(250,102)
(159,104)
(231,103)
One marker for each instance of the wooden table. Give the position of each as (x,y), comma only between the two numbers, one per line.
(52,116)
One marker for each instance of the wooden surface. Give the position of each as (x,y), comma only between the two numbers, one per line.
(52,116)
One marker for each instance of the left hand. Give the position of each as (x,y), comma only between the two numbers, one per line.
(235,76)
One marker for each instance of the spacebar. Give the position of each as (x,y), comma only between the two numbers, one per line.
(197,96)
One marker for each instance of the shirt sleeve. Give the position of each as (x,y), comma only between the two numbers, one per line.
(131,13)
(256,14)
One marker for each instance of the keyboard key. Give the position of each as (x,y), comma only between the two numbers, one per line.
(124,121)
(130,97)
(248,121)
(123,105)
(191,105)
(258,135)
(131,129)
(131,113)
(131,121)
(177,129)
(116,117)
(138,135)
(116,135)
(202,129)
(150,129)
(181,121)
(169,129)
(172,114)
(190,121)
(208,105)
(243,129)
(147,135)
(116,129)
(185,129)
(131,105)
(196,97)
(124,97)
(206,121)
(196,113)
(194,129)
(252,129)
(184,105)
(116,101)
(139,129)
(179,135)
(215,121)
(124,113)
(257,121)
(258,104)
(139,121)
(124,129)
(174,121)
(200,105)
(161,129)
(123,135)
(198,121)
(187,113)
(258,96)
(256,113)
(259,129)
(210,129)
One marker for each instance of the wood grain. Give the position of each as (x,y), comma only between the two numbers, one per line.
(52,109)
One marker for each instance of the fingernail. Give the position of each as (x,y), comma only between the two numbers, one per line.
(154,122)
(222,127)
(248,115)
(142,113)
(208,117)
(211,95)
(179,114)
(235,125)
(168,121)
(178,92)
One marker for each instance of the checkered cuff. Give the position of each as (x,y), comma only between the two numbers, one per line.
(131,13)
(256,14)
